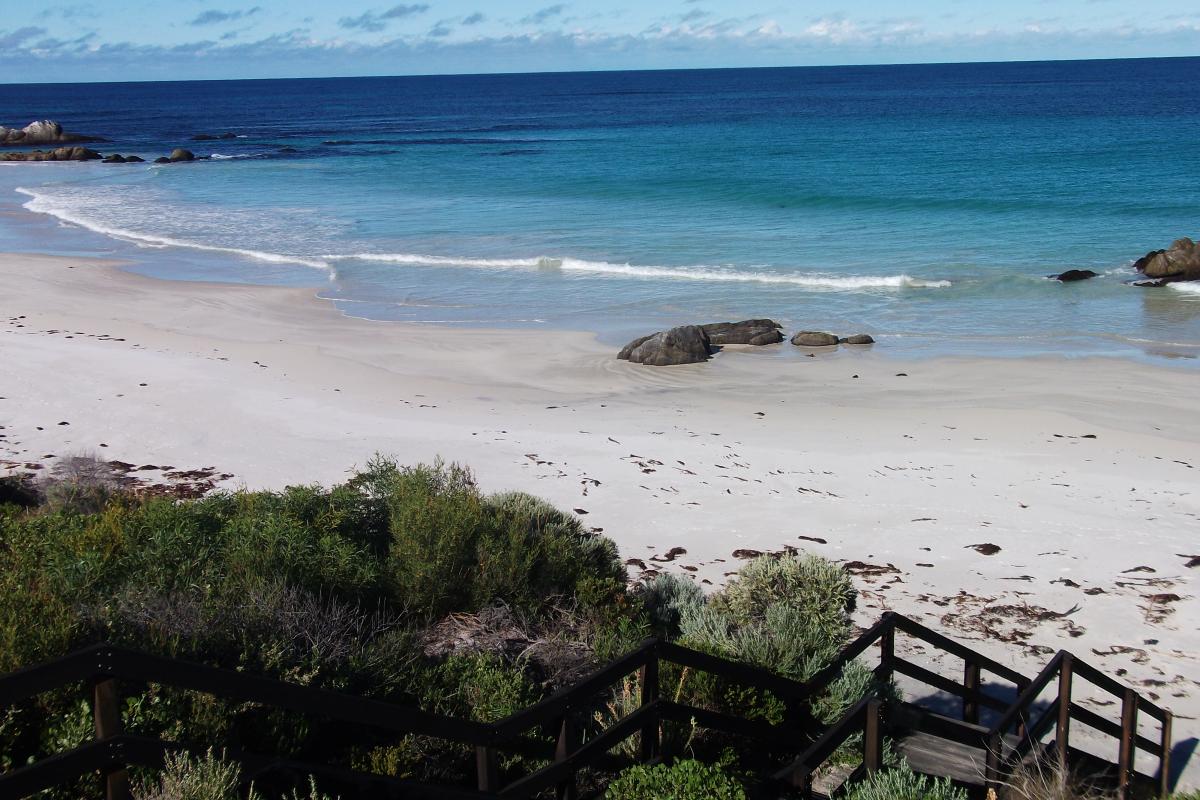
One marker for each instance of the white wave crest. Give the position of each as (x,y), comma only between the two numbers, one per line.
(436,261)
(43,204)
(1187,287)
(698,273)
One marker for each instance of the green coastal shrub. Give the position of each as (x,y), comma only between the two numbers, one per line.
(184,777)
(787,614)
(901,783)
(668,599)
(80,484)
(684,780)
(453,549)
(329,588)
(478,686)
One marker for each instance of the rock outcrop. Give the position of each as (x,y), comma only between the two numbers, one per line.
(751,331)
(208,137)
(1072,275)
(857,338)
(1179,262)
(179,154)
(42,132)
(57,154)
(814,339)
(687,344)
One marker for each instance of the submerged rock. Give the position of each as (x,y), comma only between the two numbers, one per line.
(814,339)
(857,338)
(687,344)
(42,132)
(750,331)
(1179,262)
(162,160)
(134,159)
(57,154)
(1073,275)
(208,137)
(115,158)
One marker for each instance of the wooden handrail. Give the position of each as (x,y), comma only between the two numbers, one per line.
(102,665)
(930,636)
(554,705)
(1030,693)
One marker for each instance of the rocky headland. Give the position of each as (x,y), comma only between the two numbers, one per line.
(50,132)
(42,132)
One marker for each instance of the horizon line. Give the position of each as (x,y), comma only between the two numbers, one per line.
(614,71)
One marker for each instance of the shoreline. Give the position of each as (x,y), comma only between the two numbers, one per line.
(1082,471)
(198,260)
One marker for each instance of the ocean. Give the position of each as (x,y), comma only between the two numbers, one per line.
(923,204)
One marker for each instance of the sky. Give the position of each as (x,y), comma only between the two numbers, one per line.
(107,40)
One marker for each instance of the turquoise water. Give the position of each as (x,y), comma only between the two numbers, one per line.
(923,204)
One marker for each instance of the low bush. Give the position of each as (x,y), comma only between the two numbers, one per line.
(668,599)
(1046,779)
(331,588)
(407,585)
(901,783)
(684,780)
(184,777)
(80,484)
(789,615)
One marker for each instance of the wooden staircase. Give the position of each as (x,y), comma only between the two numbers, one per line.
(1037,721)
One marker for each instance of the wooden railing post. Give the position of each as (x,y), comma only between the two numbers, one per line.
(971,680)
(106,715)
(802,780)
(873,736)
(1062,732)
(568,741)
(992,759)
(1164,767)
(1125,758)
(887,652)
(487,769)
(648,680)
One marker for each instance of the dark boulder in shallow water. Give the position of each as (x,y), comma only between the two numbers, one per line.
(115,158)
(162,160)
(134,159)
(179,154)
(814,339)
(751,331)
(57,154)
(687,344)
(1072,275)
(208,137)
(857,338)
(1179,262)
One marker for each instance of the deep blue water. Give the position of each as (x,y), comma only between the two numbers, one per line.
(923,204)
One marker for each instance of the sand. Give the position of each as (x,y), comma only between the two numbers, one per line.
(1020,505)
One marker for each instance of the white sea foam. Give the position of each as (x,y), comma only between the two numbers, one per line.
(45,204)
(1187,287)
(697,273)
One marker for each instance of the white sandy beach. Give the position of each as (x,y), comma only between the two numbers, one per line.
(1084,473)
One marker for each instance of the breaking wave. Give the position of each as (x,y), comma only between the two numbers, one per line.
(44,204)
(696,273)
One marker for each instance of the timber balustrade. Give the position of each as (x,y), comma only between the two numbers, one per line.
(106,670)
